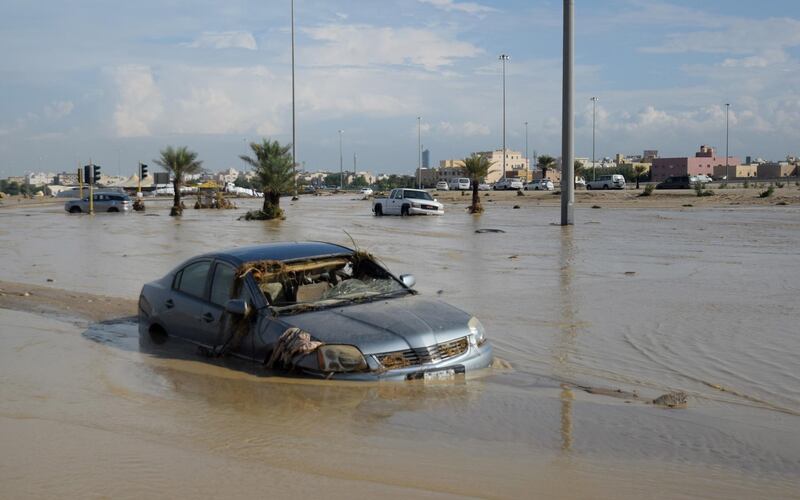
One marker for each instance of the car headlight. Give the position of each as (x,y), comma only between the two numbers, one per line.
(340,358)
(477,334)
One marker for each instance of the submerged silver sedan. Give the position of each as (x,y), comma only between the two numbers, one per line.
(312,308)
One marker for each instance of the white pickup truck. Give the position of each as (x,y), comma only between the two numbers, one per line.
(404,201)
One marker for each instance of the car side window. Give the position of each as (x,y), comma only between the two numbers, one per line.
(193,278)
(222,284)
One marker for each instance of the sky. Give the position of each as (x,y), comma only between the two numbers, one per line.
(116,82)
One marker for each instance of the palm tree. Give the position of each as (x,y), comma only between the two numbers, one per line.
(639,169)
(477,167)
(546,162)
(273,168)
(179,162)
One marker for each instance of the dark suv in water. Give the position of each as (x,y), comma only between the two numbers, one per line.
(675,182)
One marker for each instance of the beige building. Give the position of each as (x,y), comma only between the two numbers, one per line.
(517,166)
(776,170)
(450,169)
(429,176)
(736,171)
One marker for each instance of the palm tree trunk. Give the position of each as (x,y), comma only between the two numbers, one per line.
(176,199)
(272,202)
(637,181)
(476,199)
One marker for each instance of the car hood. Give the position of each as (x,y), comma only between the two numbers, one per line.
(385,325)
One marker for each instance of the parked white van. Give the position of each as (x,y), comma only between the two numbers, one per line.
(460,183)
(615,181)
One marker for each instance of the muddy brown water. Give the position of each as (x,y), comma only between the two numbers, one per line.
(644,301)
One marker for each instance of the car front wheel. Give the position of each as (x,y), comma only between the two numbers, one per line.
(75,210)
(378,210)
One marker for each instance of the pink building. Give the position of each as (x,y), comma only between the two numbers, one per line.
(703,162)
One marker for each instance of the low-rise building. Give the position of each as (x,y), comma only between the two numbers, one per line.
(744,171)
(702,163)
(67,178)
(450,169)
(776,170)
(428,176)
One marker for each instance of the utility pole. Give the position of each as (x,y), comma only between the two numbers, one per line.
(354,166)
(341,164)
(504,58)
(727,173)
(594,109)
(567,121)
(294,139)
(419,152)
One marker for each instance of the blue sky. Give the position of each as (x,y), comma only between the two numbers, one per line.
(116,82)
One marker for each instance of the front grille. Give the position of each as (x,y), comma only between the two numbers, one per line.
(423,355)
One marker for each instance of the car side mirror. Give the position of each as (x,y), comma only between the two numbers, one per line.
(408,280)
(238,307)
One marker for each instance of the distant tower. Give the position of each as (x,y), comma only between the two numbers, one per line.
(426,158)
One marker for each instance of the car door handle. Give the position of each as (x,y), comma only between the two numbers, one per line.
(208,317)
(169,304)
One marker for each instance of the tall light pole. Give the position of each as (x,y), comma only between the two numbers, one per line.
(341,164)
(504,58)
(354,165)
(594,114)
(727,111)
(419,152)
(294,160)
(567,121)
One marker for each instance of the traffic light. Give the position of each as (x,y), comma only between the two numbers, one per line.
(142,170)
(87,174)
(96,177)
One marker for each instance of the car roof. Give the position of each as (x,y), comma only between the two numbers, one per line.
(285,251)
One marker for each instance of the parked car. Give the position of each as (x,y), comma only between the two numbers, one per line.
(442,186)
(508,183)
(484,187)
(404,201)
(460,183)
(614,181)
(702,179)
(540,185)
(675,182)
(366,191)
(104,201)
(314,308)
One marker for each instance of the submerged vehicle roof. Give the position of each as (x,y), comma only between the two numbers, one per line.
(288,250)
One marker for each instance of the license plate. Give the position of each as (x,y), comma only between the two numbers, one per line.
(438,375)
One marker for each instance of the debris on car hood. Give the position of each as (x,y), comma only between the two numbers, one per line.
(292,345)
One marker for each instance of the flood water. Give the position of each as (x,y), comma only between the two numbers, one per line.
(702,301)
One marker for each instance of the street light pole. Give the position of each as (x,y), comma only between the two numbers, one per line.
(294,160)
(341,164)
(727,173)
(419,152)
(567,121)
(594,114)
(504,58)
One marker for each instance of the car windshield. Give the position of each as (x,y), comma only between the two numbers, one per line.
(418,195)
(310,284)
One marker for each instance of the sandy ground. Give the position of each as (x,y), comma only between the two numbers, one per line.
(54,301)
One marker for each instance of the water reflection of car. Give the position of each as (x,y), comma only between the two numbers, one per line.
(103,201)
(366,191)
(442,186)
(315,308)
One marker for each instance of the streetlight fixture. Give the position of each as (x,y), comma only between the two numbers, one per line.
(504,58)
(727,111)
(594,114)
(341,164)
(419,152)
(294,160)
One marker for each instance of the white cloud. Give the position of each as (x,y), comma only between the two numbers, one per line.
(466,7)
(140,103)
(58,109)
(466,129)
(224,40)
(364,45)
